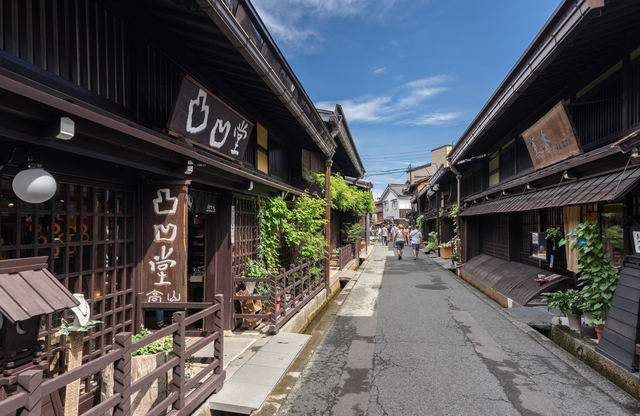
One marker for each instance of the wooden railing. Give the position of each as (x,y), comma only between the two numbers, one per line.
(346,254)
(31,387)
(290,291)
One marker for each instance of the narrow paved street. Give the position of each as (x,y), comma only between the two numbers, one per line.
(396,348)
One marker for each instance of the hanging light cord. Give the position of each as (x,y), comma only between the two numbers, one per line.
(623,172)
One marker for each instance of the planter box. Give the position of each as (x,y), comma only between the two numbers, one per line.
(445,252)
(150,395)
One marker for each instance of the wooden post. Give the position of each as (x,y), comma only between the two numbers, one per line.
(327,194)
(72,395)
(218,347)
(272,296)
(139,312)
(30,382)
(122,374)
(179,351)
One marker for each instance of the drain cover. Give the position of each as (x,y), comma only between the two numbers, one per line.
(431,287)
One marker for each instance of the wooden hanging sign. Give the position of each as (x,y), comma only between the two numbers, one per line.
(203,118)
(553,138)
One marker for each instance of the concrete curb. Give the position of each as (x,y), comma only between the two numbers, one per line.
(281,391)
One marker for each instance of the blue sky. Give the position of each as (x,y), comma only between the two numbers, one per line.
(410,74)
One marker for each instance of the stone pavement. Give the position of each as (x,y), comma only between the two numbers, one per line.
(413,339)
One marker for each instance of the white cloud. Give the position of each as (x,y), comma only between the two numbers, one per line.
(379,71)
(398,104)
(398,77)
(297,24)
(433,119)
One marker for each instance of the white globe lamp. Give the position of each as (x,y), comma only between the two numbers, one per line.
(34,184)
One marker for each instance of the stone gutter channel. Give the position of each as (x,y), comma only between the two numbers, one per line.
(261,368)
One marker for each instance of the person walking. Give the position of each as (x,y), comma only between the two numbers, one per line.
(416,241)
(393,232)
(385,234)
(400,239)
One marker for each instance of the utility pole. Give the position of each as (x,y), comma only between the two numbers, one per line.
(410,203)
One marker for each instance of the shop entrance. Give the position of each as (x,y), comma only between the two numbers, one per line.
(197,257)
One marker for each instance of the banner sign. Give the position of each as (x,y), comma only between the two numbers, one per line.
(203,118)
(553,138)
(202,202)
(164,266)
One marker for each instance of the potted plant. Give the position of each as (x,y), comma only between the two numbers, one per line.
(597,277)
(253,269)
(554,234)
(570,303)
(431,245)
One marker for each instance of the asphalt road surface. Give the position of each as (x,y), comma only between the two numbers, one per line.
(444,349)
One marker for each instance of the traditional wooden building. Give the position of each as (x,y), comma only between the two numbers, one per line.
(554,146)
(160,122)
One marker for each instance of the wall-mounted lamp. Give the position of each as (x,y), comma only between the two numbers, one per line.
(189,168)
(32,184)
(569,176)
(250,188)
(531,187)
(487,198)
(67,129)
(505,193)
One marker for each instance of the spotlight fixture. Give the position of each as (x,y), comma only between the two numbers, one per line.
(531,187)
(189,169)
(67,129)
(505,193)
(250,188)
(32,184)
(569,176)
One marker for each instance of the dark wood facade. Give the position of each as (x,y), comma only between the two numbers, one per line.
(115,68)
(592,71)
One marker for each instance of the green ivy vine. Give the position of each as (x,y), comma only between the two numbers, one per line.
(304,226)
(272,216)
(346,198)
(598,278)
(453,216)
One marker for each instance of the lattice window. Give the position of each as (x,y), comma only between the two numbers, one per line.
(246,235)
(599,114)
(528,224)
(495,236)
(88,235)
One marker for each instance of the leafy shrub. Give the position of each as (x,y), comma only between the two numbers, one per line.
(163,344)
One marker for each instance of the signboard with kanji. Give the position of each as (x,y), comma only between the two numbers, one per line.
(553,138)
(204,119)
(164,266)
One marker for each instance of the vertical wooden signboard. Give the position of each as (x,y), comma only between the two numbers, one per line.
(164,275)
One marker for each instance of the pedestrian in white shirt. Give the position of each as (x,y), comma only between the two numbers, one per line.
(416,241)
(400,238)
